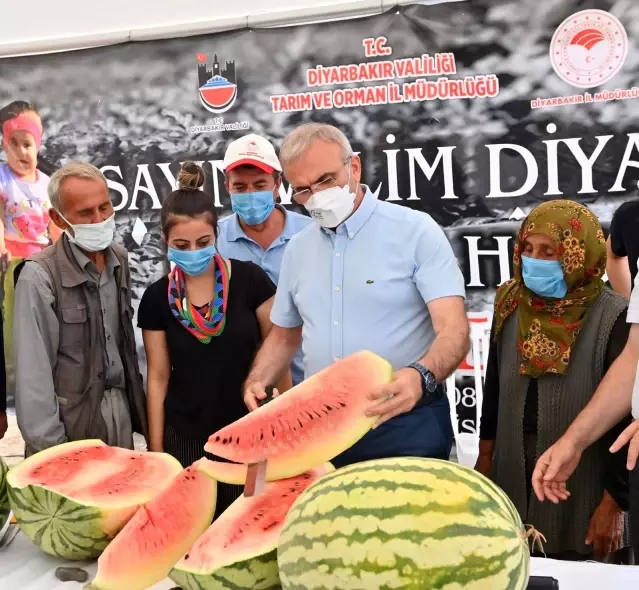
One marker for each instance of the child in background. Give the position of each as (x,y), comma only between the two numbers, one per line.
(24,206)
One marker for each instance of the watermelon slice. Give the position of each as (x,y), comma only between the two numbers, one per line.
(239,550)
(145,550)
(72,499)
(309,424)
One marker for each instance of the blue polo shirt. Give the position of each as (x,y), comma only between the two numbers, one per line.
(366,286)
(232,242)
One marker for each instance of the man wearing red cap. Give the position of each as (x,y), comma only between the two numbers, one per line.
(258,230)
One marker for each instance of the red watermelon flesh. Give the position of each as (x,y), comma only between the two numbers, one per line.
(158,535)
(91,472)
(239,548)
(72,499)
(311,423)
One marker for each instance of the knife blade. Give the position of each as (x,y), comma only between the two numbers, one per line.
(256,472)
(255,478)
(9,531)
(6,527)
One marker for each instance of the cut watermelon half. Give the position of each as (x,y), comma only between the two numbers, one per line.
(158,535)
(311,423)
(239,550)
(72,499)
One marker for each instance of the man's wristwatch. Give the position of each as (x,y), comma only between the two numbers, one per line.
(429,381)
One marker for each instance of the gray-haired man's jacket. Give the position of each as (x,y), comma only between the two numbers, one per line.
(73,339)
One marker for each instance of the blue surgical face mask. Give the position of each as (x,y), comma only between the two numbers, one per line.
(253,208)
(544,277)
(192,262)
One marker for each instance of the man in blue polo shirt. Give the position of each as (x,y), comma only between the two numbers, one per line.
(258,230)
(366,274)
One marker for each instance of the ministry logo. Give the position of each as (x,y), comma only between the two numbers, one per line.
(589,48)
(217,85)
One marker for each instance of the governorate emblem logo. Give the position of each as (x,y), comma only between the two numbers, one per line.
(217,85)
(589,48)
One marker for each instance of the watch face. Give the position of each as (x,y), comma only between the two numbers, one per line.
(430,382)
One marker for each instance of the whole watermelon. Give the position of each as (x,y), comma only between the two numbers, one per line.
(406,524)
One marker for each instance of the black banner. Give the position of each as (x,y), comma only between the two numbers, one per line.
(473,112)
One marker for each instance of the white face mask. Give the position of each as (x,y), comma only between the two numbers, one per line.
(331,206)
(92,237)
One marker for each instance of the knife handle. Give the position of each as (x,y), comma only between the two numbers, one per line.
(542,583)
(269,396)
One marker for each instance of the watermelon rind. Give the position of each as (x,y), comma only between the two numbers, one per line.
(258,573)
(5,506)
(404,523)
(74,529)
(235,473)
(59,526)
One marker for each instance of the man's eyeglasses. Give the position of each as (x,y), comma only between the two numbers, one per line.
(329,181)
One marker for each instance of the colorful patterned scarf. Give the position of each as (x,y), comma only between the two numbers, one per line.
(208,321)
(548,327)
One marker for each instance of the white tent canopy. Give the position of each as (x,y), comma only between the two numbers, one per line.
(75,24)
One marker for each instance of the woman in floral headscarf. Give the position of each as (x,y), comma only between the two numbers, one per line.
(556,331)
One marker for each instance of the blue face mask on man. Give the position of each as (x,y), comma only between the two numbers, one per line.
(544,277)
(254,208)
(192,262)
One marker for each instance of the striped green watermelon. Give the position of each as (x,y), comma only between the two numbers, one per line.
(239,550)
(72,499)
(5,508)
(406,524)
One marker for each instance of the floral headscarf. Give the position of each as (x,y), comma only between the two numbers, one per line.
(548,327)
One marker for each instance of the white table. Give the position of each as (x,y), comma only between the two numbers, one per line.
(24,567)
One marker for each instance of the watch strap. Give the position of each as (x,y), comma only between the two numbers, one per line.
(429,381)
